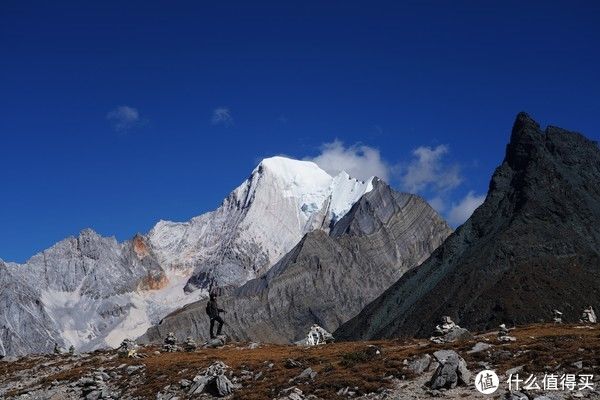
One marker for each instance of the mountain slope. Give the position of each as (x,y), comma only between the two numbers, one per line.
(77,292)
(90,291)
(325,279)
(532,246)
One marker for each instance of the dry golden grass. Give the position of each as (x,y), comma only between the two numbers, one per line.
(340,365)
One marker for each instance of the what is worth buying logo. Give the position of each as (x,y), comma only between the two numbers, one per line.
(487,382)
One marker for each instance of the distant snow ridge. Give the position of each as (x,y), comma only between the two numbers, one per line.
(91,291)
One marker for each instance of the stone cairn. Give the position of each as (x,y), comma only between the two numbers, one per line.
(189,344)
(128,349)
(94,386)
(448,331)
(503,335)
(557,317)
(58,349)
(318,335)
(170,343)
(213,381)
(588,316)
(71,349)
(446,326)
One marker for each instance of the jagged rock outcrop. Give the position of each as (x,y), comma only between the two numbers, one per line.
(326,278)
(531,247)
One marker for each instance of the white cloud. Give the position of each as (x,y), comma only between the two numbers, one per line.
(359,161)
(460,212)
(438,204)
(123,118)
(222,116)
(427,171)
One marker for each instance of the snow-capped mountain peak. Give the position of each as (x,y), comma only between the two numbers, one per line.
(261,220)
(310,185)
(91,291)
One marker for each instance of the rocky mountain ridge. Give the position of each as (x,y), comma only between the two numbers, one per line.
(531,247)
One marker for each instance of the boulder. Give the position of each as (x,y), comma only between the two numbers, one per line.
(218,341)
(479,347)
(452,371)
(220,386)
(419,365)
(308,373)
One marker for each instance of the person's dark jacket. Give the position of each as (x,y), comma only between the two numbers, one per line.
(212,308)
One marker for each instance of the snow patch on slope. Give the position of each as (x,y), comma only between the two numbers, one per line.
(88,323)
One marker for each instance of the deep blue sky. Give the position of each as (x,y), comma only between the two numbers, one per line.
(394,76)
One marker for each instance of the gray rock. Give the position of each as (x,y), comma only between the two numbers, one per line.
(184,383)
(451,371)
(479,347)
(308,373)
(199,384)
(220,386)
(419,365)
(291,363)
(219,341)
(457,334)
(133,368)
(213,381)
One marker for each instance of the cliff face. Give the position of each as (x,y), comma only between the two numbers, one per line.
(78,292)
(531,247)
(326,278)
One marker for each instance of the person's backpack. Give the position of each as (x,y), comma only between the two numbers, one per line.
(208,312)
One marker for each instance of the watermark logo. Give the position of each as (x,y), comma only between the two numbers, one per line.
(487,382)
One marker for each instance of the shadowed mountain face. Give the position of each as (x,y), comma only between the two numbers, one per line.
(326,278)
(532,246)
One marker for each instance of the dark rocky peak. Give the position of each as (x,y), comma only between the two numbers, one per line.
(531,247)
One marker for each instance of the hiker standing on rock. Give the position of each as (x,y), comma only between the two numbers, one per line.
(213,310)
